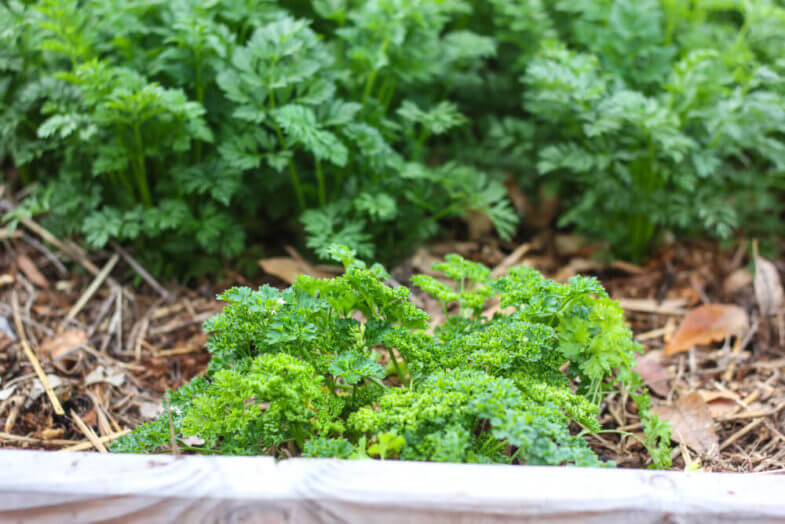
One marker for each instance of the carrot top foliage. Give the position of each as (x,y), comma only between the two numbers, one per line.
(191,128)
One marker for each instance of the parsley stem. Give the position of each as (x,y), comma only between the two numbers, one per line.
(397,366)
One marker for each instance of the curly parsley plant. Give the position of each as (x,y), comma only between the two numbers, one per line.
(347,367)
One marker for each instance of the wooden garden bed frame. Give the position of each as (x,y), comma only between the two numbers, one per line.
(40,486)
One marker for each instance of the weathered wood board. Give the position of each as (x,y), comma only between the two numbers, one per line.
(58,487)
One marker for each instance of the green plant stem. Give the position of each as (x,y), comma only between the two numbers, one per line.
(199,98)
(418,145)
(372,77)
(397,366)
(320,182)
(139,172)
(298,188)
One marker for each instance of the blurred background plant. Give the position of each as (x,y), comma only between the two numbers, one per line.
(192,129)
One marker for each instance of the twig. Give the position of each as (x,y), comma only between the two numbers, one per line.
(667,307)
(743,431)
(174,326)
(82,446)
(183,350)
(89,433)
(654,333)
(81,258)
(172,436)
(102,311)
(119,322)
(737,349)
(147,277)
(32,440)
(140,335)
(61,270)
(31,356)
(92,288)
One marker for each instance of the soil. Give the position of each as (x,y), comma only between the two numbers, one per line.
(111,340)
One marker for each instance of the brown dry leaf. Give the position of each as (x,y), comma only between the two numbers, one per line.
(480,226)
(64,343)
(737,281)
(653,373)
(692,423)
(721,403)
(289,268)
(706,324)
(31,271)
(768,287)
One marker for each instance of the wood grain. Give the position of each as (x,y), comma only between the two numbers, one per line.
(43,487)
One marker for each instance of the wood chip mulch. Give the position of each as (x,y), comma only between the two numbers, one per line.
(85,356)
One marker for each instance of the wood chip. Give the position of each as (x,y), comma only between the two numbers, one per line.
(30,270)
(88,432)
(649,305)
(92,288)
(83,446)
(32,358)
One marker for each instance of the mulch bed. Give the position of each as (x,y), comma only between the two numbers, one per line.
(108,350)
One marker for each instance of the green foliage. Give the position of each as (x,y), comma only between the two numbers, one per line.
(191,129)
(644,113)
(183,126)
(294,372)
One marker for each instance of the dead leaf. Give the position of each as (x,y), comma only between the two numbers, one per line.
(64,343)
(737,281)
(653,373)
(706,324)
(101,374)
(692,423)
(480,226)
(50,433)
(6,279)
(31,271)
(721,403)
(6,393)
(37,388)
(768,287)
(150,410)
(289,268)
(193,441)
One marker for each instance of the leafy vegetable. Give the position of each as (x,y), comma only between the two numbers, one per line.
(294,372)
